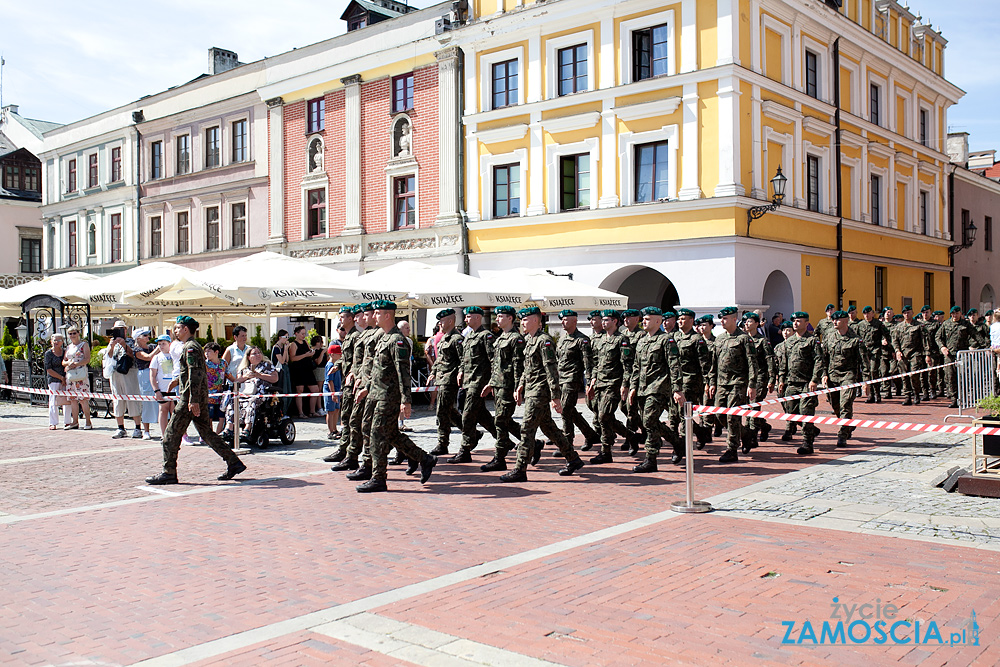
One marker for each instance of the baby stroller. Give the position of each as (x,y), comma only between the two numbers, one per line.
(269,422)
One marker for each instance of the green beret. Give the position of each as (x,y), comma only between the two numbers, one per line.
(925,308)
(651,310)
(800,315)
(189,322)
(867,309)
(752,316)
(972,311)
(357,310)
(937,312)
(347,310)
(829,306)
(594,313)
(955,309)
(705,319)
(631,312)
(838,315)
(567,313)
(786,325)
(505,310)
(851,308)
(667,314)
(474,310)
(368,307)
(886,309)
(445,313)
(907,308)
(611,313)
(897,318)
(728,310)
(383,304)
(681,312)
(530,310)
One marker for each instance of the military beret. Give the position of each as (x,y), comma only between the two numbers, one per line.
(384,304)
(347,310)
(897,318)
(631,312)
(474,310)
(594,313)
(681,312)
(728,310)
(800,315)
(188,321)
(611,313)
(368,307)
(752,316)
(937,312)
(652,310)
(530,310)
(972,311)
(705,318)
(567,313)
(829,306)
(441,314)
(851,308)
(955,309)
(867,309)
(357,310)
(667,314)
(505,310)
(838,315)
(886,309)
(907,308)
(925,308)
(786,325)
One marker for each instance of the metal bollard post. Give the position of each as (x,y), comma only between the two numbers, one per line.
(689,505)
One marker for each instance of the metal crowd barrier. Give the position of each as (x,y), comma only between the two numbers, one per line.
(976,379)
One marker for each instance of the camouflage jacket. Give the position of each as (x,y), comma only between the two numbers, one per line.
(449,359)
(508,360)
(845,358)
(477,359)
(575,359)
(734,361)
(541,374)
(613,352)
(389,373)
(655,355)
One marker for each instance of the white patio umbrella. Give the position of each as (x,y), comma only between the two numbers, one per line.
(557,292)
(426,286)
(139,286)
(70,286)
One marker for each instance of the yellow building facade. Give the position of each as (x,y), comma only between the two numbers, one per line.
(625,142)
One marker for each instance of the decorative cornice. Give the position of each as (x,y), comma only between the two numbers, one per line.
(817,126)
(780,112)
(647,109)
(275,102)
(498,134)
(579,121)
(352,80)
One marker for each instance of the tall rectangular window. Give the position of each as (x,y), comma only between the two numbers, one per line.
(213,153)
(240,141)
(31,255)
(212,228)
(879,288)
(924,134)
(924,222)
(71,242)
(812,74)
(31,181)
(929,289)
(875,110)
(574,177)
(966,293)
(12,177)
(988,233)
(92,170)
(156,160)
(649,52)
(651,172)
(71,176)
(573,69)
(156,236)
(184,154)
(239,212)
(116,164)
(404,214)
(812,183)
(317,212)
(116,237)
(183,233)
(316,115)
(876,197)
(402,92)
(506,190)
(505,84)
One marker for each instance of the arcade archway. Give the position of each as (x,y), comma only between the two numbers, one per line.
(643,286)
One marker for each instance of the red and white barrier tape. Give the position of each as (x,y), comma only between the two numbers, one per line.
(830,390)
(857,423)
(143,397)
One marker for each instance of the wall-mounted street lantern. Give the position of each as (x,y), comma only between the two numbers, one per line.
(968,238)
(778,195)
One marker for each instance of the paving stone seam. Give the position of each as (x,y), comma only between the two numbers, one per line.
(63,455)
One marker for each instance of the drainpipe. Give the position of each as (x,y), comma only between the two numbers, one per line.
(838,175)
(137,117)
(460,131)
(951,232)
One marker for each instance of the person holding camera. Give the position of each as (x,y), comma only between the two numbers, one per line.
(124,381)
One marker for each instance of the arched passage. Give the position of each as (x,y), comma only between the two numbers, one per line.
(987,299)
(778,295)
(643,286)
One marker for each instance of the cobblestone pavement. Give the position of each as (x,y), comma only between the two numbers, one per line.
(288,565)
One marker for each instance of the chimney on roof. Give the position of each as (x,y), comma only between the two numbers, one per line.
(220,60)
(10,108)
(958,148)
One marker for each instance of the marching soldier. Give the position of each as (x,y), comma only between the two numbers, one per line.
(694,363)
(575,361)
(852,315)
(612,353)
(363,377)
(978,323)
(474,376)
(935,383)
(912,350)
(873,335)
(800,370)
(355,443)
(889,365)
(654,385)
(955,335)
(768,365)
(786,330)
(846,361)
(734,376)
(388,392)
(538,388)
(633,416)
(192,405)
(597,330)
(444,373)
(347,393)
(508,365)
(826,323)
(705,325)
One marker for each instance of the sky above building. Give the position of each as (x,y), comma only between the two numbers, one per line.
(69,60)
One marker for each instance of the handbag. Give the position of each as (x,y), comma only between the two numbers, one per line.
(108,365)
(123,364)
(77,374)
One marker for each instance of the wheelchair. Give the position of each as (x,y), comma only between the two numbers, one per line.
(269,423)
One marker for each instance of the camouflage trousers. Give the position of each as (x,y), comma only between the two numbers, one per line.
(802,406)
(951,378)
(754,423)
(346,410)
(175,430)
(538,415)
(731,396)
(385,435)
(913,384)
(607,400)
(447,415)
(569,395)
(653,407)
(361,430)
(694,393)
(503,418)
(475,413)
(842,403)
(935,378)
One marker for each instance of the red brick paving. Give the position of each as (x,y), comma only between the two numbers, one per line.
(125,583)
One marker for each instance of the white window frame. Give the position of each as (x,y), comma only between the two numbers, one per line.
(822,154)
(318,184)
(770,23)
(787,143)
(627,143)
(824,84)
(191,160)
(102,219)
(175,237)
(407,168)
(486,166)
(227,241)
(909,215)
(552,47)
(204,144)
(883,207)
(486,63)
(931,131)
(883,112)
(625,30)
(854,169)
(555,151)
(904,126)
(923,188)
(228,139)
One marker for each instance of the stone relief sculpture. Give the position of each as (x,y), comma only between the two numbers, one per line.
(315,155)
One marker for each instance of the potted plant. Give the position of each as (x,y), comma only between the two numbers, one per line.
(991,406)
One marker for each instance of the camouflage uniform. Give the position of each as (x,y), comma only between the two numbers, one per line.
(846,361)
(956,336)
(575,363)
(633,412)
(612,353)
(890,366)
(694,363)
(508,366)
(357,431)
(477,359)
(800,362)
(654,383)
(445,370)
(767,363)
(911,339)
(873,336)
(734,370)
(347,393)
(935,378)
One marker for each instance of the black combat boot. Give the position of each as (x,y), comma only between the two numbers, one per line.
(907,400)
(440,450)
(718,430)
(233,469)
(648,464)
(496,463)
(807,446)
(412,466)
(603,457)
(871,398)
(464,456)
(426,467)
(842,441)
(953,404)
(337,456)
(788,434)
(765,431)
(372,486)
(398,459)
(346,464)
(571,467)
(162,478)
(729,456)
(916,398)
(361,474)
(536,454)
(516,475)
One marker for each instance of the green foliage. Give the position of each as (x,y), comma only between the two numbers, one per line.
(990,404)
(209,338)
(100,340)
(259,341)
(19,352)
(9,338)
(96,358)
(310,334)
(7,351)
